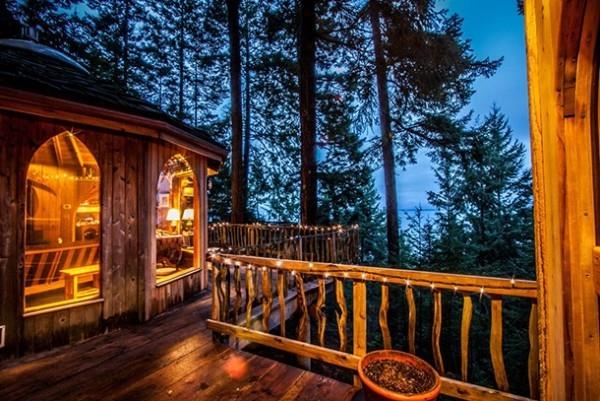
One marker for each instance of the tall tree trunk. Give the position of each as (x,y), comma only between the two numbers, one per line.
(196,90)
(308,115)
(235,68)
(181,60)
(126,44)
(247,105)
(391,200)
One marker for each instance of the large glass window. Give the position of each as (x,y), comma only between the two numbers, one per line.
(175,220)
(62,250)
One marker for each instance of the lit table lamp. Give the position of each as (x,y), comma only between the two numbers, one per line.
(188,216)
(173,217)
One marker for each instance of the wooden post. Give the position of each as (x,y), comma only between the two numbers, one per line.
(359,320)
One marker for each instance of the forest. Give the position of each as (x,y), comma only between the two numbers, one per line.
(312,98)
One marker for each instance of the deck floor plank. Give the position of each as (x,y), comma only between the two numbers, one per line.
(172,357)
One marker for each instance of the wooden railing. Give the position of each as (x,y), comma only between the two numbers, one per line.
(232,310)
(335,244)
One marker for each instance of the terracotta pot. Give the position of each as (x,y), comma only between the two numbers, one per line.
(374,392)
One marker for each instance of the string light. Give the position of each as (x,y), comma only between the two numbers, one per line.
(385,279)
(407,281)
(346,274)
(432,286)
(293,272)
(364,275)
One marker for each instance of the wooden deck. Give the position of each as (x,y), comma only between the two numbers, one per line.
(171,357)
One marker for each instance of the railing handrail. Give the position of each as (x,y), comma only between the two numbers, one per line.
(448,281)
(332,244)
(334,227)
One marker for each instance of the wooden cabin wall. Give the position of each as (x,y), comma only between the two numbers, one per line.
(128,286)
(12,185)
(561,39)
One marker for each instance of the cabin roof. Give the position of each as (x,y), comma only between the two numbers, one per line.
(30,67)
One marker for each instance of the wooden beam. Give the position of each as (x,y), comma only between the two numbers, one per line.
(75,147)
(285,344)
(57,150)
(473,392)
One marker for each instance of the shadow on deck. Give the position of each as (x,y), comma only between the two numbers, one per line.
(172,357)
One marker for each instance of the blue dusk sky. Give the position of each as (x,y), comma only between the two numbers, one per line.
(496,30)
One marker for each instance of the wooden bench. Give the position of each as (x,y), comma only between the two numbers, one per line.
(75,275)
(44,268)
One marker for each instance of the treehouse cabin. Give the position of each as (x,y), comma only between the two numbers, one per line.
(103,216)
(103,203)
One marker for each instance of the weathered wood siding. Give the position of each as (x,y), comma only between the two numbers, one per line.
(128,193)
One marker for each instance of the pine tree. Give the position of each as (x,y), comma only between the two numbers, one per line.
(51,19)
(423,68)
(498,199)
(114,43)
(275,124)
(235,69)
(420,239)
(450,247)
(347,194)
(307,42)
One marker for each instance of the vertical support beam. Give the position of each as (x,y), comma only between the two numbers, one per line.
(267,298)
(436,331)
(496,346)
(250,295)
(237,283)
(201,219)
(149,276)
(341,313)
(281,290)
(320,309)
(359,319)
(412,319)
(465,328)
(215,311)
(383,316)
(304,323)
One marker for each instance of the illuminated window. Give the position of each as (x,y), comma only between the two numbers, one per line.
(62,250)
(175,220)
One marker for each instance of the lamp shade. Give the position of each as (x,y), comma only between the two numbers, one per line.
(173,214)
(188,214)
